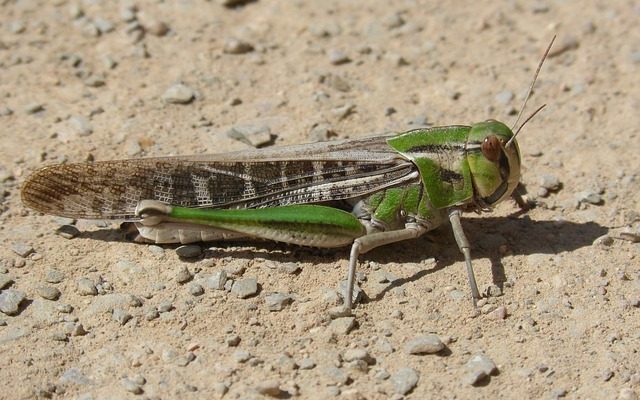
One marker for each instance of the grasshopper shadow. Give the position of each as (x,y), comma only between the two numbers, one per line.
(522,236)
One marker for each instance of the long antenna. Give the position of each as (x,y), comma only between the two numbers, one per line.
(535,76)
(533,114)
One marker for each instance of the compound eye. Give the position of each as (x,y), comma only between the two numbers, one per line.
(491,148)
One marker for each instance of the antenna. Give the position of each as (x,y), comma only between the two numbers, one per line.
(523,124)
(526,99)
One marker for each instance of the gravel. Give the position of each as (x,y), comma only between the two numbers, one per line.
(86,287)
(178,94)
(48,292)
(131,386)
(244,288)
(550,182)
(22,249)
(196,289)
(357,355)
(337,57)
(241,356)
(121,316)
(336,376)
(342,326)
(68,231)
(427,344)
(5,281)
(277,301)
(184,275)
(589,197)
(404,380)
(256,135)
(33,108)
(269,387)
(504,97)
(306,363)
(10,301)
(189,251)
(217,280)
(478,368)
(237,46)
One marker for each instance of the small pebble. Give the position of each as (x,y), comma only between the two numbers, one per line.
(337,82)
(237,46)
(404,380)
(337,57)
(184,275)
(306,363)
(151,314)
(290,268)
(568,43)
(319,133)
(131,386)
(269,388)
(232,340)
(17,27)
(5,281)
(241,356)
(498,314)
(342,326)
(277,301)
(86,287)
(550,182)
(357,294)
(233,3)
(427,344)
(48,292)
(157,28)
(504,97)
(103,25)
(33,108)
(244,288)
(59,337)
(165,307)
(479,367)
(217,280)
(68,231)
(121,316)
(156,250)
(255,135)
(178,94)
(337,376)
(22,249)
(344,111)
(196,289)
(64,308)
(82,127)
(358,354)
(78,330)
(627,394)
(10,300)
(189,251)
(95,80)
(589,197)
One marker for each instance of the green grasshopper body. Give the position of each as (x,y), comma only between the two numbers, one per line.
(363,192)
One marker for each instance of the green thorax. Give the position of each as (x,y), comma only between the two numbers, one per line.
(440,155)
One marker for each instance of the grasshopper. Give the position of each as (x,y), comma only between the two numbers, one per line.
(365,192)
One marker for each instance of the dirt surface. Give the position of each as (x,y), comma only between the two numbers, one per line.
(89,80)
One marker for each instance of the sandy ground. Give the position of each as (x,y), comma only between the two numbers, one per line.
(104,318)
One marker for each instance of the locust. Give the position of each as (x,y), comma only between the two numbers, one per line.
(363,193)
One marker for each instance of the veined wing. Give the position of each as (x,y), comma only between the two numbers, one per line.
(279,176)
